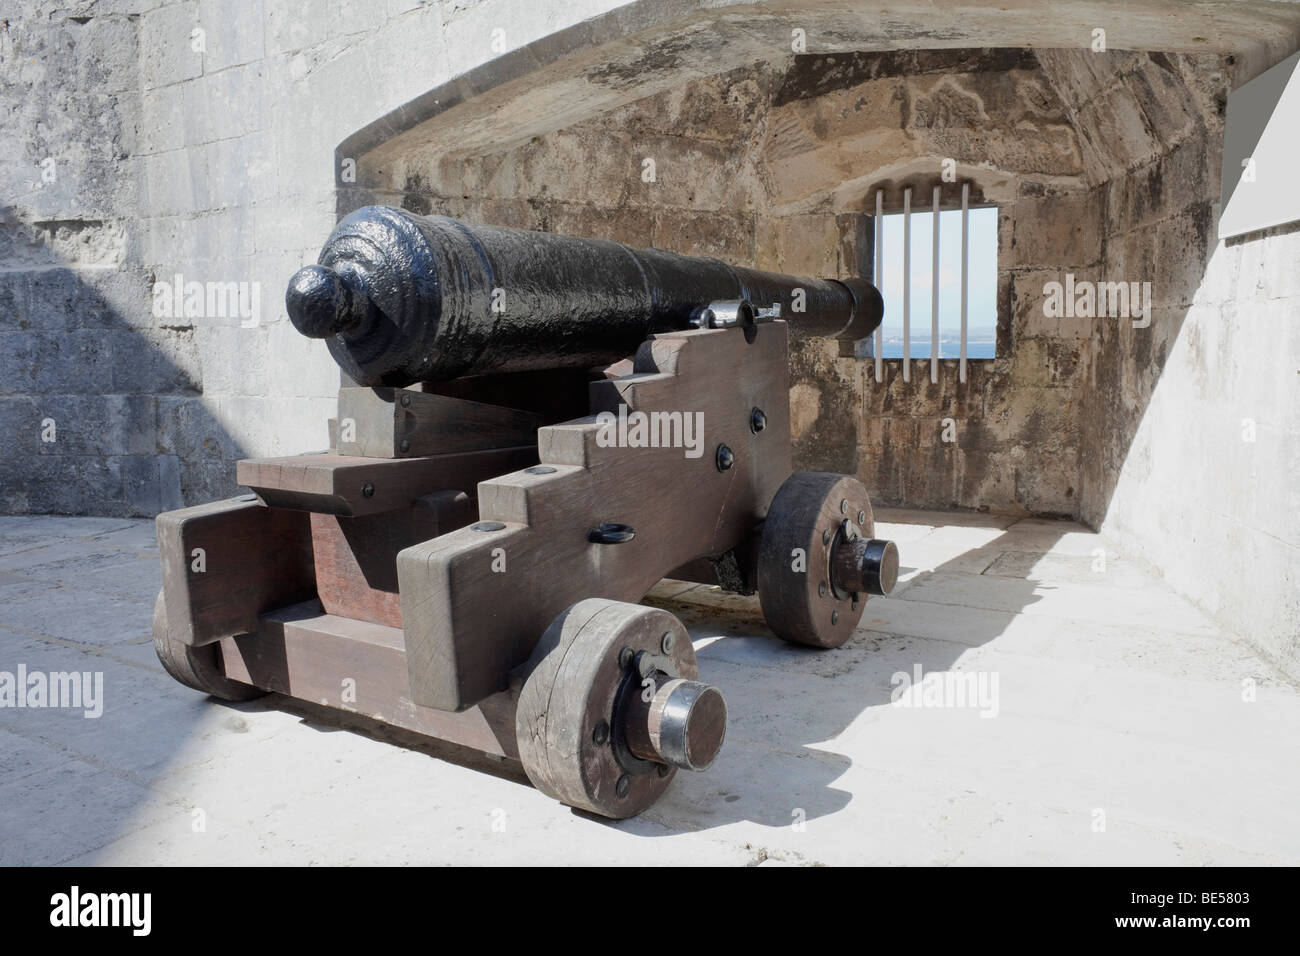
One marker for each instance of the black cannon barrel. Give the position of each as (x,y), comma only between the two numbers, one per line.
(404,298)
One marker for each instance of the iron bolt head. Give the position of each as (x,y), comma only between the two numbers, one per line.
(623,786)
(600,735)
(406,401)
(368,489)
(625,657)
(757,421)
(725,458)
(668,642)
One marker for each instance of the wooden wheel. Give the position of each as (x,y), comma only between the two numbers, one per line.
(818,559)
(194,666)
(610,708)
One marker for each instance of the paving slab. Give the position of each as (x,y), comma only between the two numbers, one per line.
(80,615)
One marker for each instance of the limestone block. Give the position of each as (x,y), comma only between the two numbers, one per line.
(234,33)
(165,39)
(1056,231)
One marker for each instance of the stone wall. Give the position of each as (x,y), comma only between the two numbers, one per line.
(78,366)
(1191,423)
(774,167)
(207,155)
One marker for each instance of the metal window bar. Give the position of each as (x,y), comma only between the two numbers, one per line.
(879,274)
(879,277)
(934,292)
(907,284)
(965,259)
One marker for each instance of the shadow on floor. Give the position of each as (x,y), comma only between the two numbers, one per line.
(785,700)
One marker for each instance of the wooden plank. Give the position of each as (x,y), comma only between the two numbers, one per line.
(356,558)
(360,668)
(226,562)
(342,485)
(406,423)
(474,603)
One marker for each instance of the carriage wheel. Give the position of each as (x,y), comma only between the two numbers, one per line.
(818,559)
(194,666)
(610,708)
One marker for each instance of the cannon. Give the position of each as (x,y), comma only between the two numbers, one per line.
(532,431)
(404,299)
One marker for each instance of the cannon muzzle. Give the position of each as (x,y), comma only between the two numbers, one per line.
(402,298)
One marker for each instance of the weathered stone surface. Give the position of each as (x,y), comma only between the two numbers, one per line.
(1055,230)
(828,438)
(99,425)
(730,238)
(20,423)
(1169,106)
(1118,130)
(62,484)
(165,35)
(811,244)
(815,123)
(188,431)
(55,362)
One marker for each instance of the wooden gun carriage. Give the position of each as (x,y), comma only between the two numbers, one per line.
(534,430)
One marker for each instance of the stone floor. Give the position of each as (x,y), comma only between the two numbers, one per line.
(1118,726)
